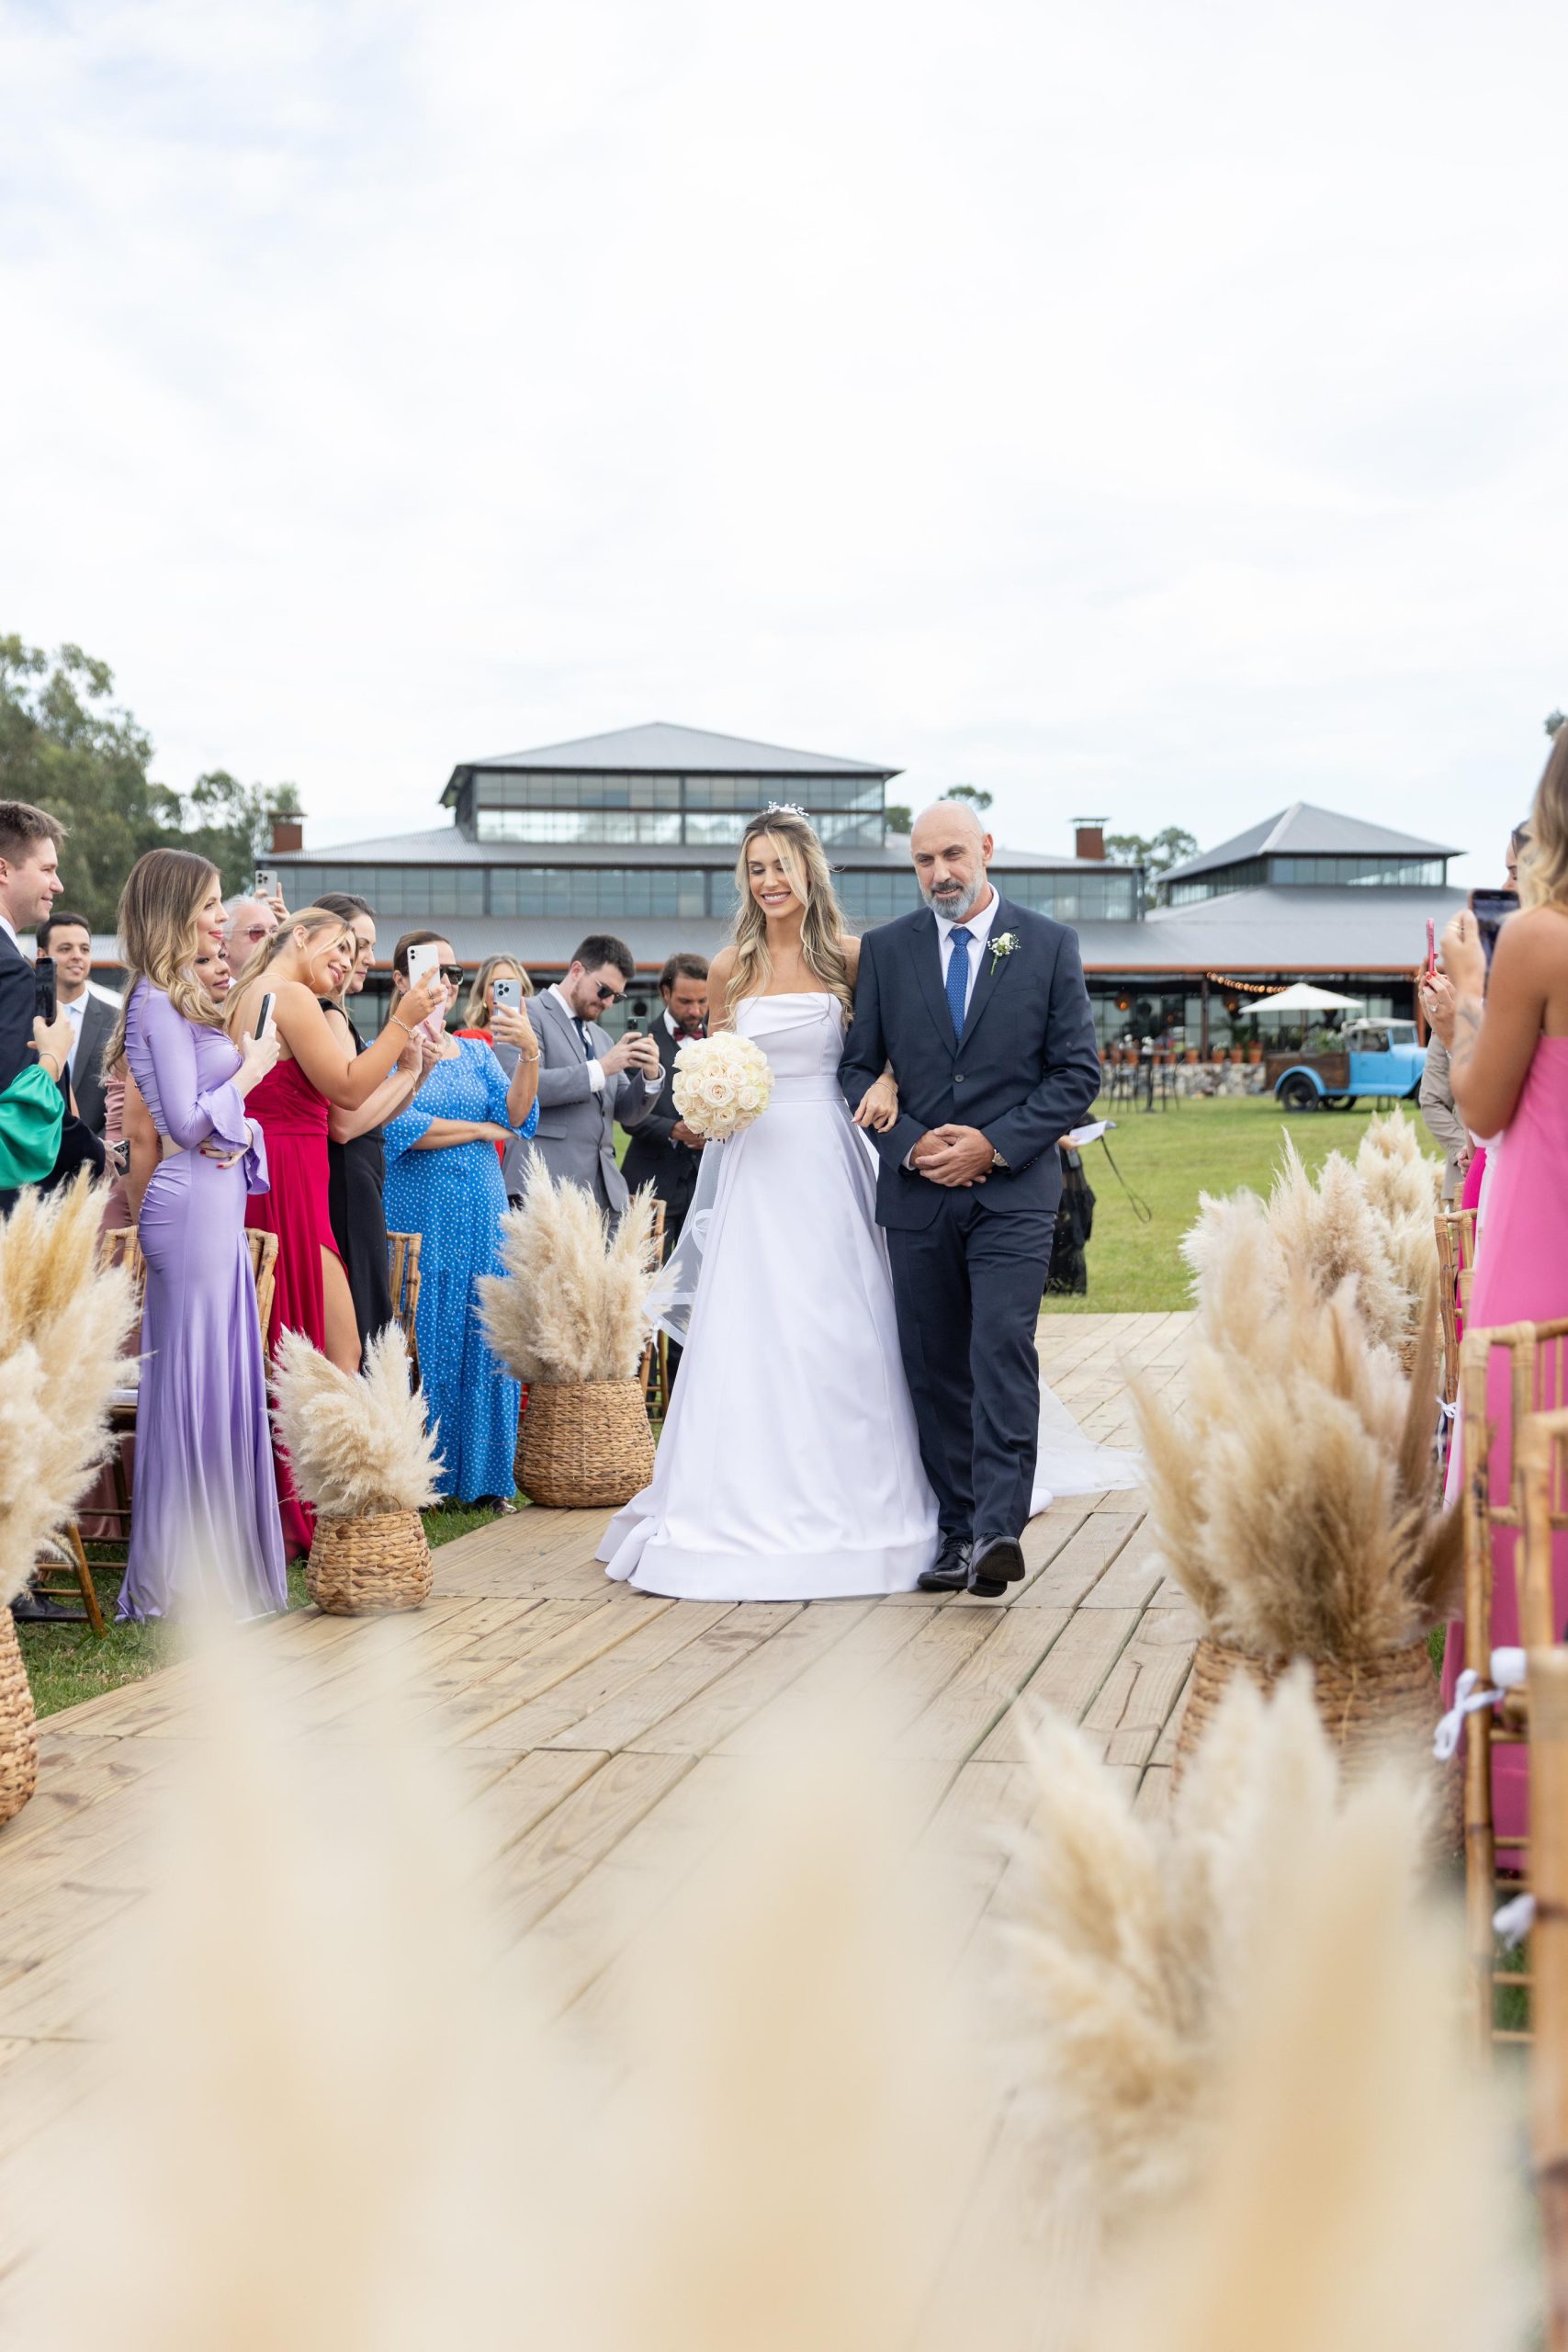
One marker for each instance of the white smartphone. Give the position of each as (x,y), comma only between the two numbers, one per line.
(265,883)
(264,1011)
(508,993)
(424,960)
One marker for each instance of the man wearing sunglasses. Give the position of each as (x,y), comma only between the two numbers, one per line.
(586,1083)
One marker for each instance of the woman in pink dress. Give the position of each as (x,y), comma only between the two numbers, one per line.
(1506,1032)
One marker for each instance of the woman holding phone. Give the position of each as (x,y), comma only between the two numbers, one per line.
(310,957)
(443,1182)
(205,1521)
(500,981)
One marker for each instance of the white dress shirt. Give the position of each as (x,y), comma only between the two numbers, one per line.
(9,928)
(978,926)
(595,1069)
(73,1014)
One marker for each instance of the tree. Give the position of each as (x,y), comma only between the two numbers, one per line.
(1155,853)
(975,794)
(900,816)
(67,747)
(1554,719)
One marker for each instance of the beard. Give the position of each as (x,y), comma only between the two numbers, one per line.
(954,904)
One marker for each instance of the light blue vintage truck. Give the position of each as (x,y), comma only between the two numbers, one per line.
(1376,1058)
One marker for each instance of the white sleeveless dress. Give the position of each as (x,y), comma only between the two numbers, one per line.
(789,1469)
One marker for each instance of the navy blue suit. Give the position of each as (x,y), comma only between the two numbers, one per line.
(969,1265)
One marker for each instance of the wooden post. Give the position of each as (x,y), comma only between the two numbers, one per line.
(1479,1850)
(1547,1684)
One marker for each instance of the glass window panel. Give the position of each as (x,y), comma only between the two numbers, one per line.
(714,828)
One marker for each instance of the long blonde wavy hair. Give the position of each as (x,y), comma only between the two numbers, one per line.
(476,1012)
(1543,860)
(164,894)
(807,869)
(316,923)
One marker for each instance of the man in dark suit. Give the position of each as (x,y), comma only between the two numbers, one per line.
(91,1012)
(29,884)
(664,1150)
(981,1009)
(587,1083)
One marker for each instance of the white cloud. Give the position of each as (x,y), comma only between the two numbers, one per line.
(1148,410)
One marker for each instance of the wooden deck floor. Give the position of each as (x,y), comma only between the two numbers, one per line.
(597,1729)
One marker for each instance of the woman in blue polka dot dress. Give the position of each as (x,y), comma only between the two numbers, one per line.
(443,1182)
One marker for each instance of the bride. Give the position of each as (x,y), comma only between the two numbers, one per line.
(789,1469)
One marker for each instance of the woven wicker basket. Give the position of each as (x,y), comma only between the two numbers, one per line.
(1384,1711)
(584,1443)
(362,1567)
(19,1724)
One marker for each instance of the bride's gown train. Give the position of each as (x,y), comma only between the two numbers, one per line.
(789,1467)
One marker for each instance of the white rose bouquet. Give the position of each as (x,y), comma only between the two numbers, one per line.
(721,1084)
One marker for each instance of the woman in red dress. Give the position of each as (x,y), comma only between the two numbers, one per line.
(311,957)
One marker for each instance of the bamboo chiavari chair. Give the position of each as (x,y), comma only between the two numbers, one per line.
(1456,1264)
(655,1370)
(1538,1354)
(1543,1452)
(402,1274)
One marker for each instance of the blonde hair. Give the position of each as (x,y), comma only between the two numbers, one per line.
(475,1012)
(810,877)
(163,896)
(312,921)
(1543,860)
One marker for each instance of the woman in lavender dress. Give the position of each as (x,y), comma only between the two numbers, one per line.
(205,1531)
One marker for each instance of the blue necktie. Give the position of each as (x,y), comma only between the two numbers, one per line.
(958,977)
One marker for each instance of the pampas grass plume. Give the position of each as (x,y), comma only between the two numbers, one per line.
(359,1442)
(63,1321)
(572,1303)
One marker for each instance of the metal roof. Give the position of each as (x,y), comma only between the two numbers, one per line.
(1305,830)
(1291,929)
(659,748)
(447,845)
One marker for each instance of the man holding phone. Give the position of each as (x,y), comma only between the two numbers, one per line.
(587,1081)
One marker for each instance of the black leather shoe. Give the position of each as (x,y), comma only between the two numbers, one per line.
(31,1608)
(950,1570)
(994,1567)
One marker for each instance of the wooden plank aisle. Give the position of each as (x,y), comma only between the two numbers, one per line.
(602,1737)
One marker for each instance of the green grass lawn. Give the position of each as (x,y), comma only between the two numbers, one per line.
(1169,1158)
(67,1664)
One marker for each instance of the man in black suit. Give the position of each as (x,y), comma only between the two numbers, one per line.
(663,1150)
(29,884)
(91,1012)
(981,1009)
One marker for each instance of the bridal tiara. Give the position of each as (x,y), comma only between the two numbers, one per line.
(786,808)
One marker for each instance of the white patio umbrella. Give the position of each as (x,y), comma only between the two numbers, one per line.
(1301,997)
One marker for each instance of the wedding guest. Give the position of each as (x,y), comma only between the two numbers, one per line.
(1442,1122)
(443,1182)
(477,1023)
(1506,1032)
(37,1135)
(206,1525)
(663,1150)
(92,1011)
(248,923)
(586,1083)
(316,1072)
(357,1158)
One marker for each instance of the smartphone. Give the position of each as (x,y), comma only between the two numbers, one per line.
(265,884)
(423,961)
(264,1011)
(44,1001)
(1431,944)
(508,993)
(1492,909)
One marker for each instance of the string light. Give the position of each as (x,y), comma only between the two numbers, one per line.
(1242,988)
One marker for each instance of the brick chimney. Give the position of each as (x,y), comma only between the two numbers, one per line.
(1088,837)
(288,833)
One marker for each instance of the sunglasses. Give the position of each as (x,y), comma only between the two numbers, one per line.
(452,974)
(257,931)
(609,996)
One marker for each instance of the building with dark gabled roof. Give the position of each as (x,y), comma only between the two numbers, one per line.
(1310,846)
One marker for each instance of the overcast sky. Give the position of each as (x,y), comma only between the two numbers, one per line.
(1146,411)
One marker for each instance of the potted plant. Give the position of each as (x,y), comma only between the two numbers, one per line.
(1293,1501)
(64,1319)
(364,1458)
(569,1318)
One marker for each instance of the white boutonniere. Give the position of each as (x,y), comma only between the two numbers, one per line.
(1003,945)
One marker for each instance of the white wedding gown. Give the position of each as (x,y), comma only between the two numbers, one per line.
(789,1467)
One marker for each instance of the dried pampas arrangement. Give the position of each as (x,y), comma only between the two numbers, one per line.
(1292,1498)
(359,1442)
(64,1320)
(571,1306)
(364,1458)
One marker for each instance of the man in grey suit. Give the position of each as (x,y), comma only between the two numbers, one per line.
(586,1083)
(91,1011)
